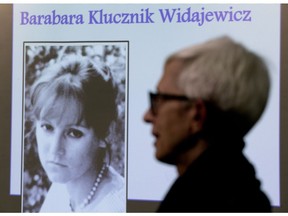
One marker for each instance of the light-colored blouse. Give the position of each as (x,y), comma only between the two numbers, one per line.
(110,198)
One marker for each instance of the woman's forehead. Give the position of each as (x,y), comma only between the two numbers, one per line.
(64,110)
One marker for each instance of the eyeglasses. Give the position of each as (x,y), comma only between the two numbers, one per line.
(156,98)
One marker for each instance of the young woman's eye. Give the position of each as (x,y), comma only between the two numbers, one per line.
(75,133)
(47,127)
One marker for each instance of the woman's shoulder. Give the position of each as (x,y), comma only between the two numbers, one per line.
(114,184)
(112,195)
(115,179)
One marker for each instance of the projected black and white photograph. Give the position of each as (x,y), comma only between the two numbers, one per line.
(74,127)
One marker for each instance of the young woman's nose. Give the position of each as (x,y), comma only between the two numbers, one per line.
(57,144)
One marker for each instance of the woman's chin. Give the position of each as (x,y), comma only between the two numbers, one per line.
(57,178)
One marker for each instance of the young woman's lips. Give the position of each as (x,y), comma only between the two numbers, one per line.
(55,163)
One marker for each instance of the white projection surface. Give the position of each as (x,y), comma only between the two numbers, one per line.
(159,30)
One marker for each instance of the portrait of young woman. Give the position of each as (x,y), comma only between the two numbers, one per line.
(74,150)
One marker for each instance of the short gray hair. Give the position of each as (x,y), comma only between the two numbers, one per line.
(226,74)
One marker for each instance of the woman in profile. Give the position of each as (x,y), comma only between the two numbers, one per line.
(73,105)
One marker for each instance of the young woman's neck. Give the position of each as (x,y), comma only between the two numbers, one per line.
(80,188)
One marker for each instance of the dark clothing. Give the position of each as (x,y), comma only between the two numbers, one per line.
(220,180)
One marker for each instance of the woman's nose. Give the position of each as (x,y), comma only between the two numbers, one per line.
(57,144)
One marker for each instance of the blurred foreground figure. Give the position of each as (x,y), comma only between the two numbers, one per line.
(208,98)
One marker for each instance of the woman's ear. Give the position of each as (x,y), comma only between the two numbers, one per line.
(199,115)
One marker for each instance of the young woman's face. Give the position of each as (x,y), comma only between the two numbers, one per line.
(66,150)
